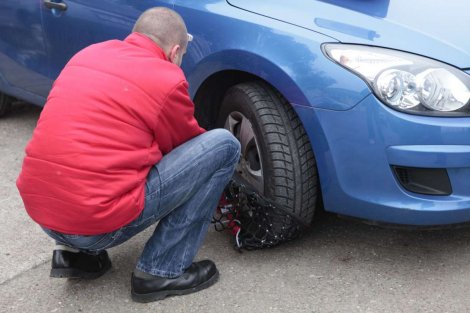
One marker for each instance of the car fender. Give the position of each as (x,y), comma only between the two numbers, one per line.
(291,60)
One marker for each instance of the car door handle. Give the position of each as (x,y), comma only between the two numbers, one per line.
(55,5)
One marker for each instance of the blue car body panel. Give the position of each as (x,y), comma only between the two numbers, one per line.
(432,29)
(86,22)
(227,39)
(24,67)
(355,137)
(358,146)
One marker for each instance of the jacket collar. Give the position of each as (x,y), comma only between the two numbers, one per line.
(145,42)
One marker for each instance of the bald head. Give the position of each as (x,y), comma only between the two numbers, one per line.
(164,26)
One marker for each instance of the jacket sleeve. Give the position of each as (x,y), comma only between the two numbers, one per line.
(177,123)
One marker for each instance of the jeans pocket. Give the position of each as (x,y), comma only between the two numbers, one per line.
(107,241)
(83,242)
(115,239)
(70,237)
(92,243)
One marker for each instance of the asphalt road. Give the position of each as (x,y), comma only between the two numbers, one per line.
(339,265)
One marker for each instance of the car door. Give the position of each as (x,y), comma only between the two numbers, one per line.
(23,59)
(71,25)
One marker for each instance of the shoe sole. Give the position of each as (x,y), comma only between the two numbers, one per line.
(74,273)
(160,295)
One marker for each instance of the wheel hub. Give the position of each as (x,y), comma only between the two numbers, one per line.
(250,166)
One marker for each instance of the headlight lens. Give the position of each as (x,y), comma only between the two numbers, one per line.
(405,81)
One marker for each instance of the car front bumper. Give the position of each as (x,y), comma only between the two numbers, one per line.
(357,149)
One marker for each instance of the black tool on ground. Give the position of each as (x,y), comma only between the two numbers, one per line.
(255,222)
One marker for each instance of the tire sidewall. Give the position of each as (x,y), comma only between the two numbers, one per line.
(237,100)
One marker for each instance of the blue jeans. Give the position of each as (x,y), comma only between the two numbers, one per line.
(182,192)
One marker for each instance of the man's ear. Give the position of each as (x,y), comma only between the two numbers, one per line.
(174,54)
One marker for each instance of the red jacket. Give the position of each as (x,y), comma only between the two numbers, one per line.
(114,111)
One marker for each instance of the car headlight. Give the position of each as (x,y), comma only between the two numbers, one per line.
(405,81)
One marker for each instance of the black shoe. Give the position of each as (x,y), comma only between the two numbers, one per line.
(66,264)
(198,276)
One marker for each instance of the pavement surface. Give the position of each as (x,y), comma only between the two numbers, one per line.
(340,265)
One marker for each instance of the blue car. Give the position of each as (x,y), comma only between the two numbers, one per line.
(363,104)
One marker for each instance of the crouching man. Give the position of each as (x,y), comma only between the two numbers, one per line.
(116,149)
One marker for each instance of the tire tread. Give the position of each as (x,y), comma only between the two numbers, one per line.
(295,181)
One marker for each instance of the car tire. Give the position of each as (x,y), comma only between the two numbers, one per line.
(278,147)
(5,104)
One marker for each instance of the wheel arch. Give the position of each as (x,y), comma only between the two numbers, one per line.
(215,74)
(209,96)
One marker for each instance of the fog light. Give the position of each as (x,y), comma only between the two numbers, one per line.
(428,181)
